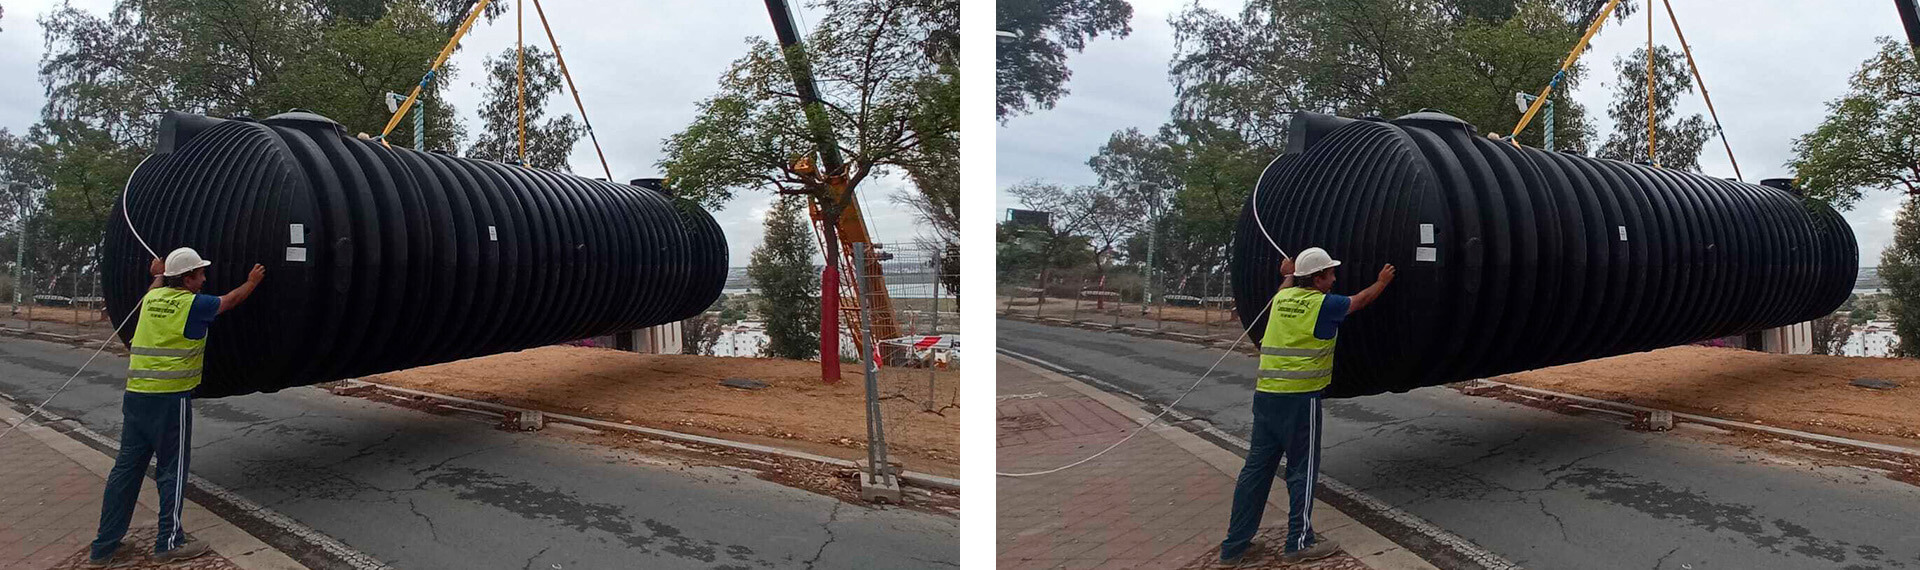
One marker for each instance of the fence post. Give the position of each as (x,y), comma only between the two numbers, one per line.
(879,483)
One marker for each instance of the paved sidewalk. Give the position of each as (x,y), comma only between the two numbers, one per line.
(50,487)
(1160,500)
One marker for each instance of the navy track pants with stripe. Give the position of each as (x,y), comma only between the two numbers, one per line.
(158,427)
(1283,425)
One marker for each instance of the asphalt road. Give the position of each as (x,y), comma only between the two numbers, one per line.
(1541,489)
(418,490)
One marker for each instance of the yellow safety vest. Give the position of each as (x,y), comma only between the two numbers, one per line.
(1292,360)
(162,359)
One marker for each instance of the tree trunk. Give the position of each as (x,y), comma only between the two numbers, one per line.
(830,299)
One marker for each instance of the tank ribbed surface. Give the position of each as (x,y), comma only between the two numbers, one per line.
(1511,259)
(381,259)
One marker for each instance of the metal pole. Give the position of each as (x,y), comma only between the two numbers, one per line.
(19,243)
(931,350)
(876,435)
(1910,19)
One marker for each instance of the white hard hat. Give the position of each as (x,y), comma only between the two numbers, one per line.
(183,260)
(1312,260)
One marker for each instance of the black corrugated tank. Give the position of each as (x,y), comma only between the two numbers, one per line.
(1512,258)
(381,258)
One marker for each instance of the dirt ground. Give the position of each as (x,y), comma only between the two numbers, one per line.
(1216,322)
(60,315)
(1797,391)
(682,393)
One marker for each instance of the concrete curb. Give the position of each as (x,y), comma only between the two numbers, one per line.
(1716,422)
(1363,543)
(910,477)
(229,541)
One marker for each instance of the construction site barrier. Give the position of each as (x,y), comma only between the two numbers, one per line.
(383,258)
(1512,258)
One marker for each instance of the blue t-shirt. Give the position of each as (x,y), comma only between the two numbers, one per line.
(1333,311)
(205,308)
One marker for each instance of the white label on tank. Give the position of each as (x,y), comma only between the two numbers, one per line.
(296,233)
(1426,233)
(1623,233)
(296,254)
(492,234)
(1426,254)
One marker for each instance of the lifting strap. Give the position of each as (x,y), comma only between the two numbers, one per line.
(1652,157)
(1557,76)
(1703,90)
(576,90)
(478,8)
(520,71)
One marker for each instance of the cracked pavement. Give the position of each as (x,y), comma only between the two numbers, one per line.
(419,490)
(1540,488)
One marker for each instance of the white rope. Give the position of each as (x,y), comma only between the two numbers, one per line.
(1203,377)
(116,330)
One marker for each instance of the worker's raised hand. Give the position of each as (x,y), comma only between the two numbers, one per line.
(1286,267)
(259,272)
(1386,274)
(157,267)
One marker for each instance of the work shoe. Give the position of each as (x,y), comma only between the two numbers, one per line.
(1256,553)
(188,550)
(120,555)
(1319,550)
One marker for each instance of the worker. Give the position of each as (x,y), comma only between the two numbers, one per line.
(1296,364)
(163,368)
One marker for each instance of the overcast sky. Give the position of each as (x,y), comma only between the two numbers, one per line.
(1770,65)
(641,67)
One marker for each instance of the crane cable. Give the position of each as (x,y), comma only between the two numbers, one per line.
(1691,66)
(1652,157)
(439,60)
(520,71)
(571,87)
(1562,74)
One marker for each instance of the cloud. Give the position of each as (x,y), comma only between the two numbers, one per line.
(1770,70)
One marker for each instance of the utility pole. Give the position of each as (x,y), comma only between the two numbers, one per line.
(1523,100)
(1153,243)
(19,242)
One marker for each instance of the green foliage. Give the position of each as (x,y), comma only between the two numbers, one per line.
(1237,76)
(549,141)
(1677,141)
(118,72)
(1373,57)
(699,334)
(1900,270)
(871,61)
(1870,139)
(782,269)
(1830,334)
(109,77)
(1031,67)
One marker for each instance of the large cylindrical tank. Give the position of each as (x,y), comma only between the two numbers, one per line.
(1513,258)
(382,258)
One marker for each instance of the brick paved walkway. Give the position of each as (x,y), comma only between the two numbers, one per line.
(50,508)
(1150,503)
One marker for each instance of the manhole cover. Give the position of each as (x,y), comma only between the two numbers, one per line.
(743,383)
(1875,383)
(1024,422)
